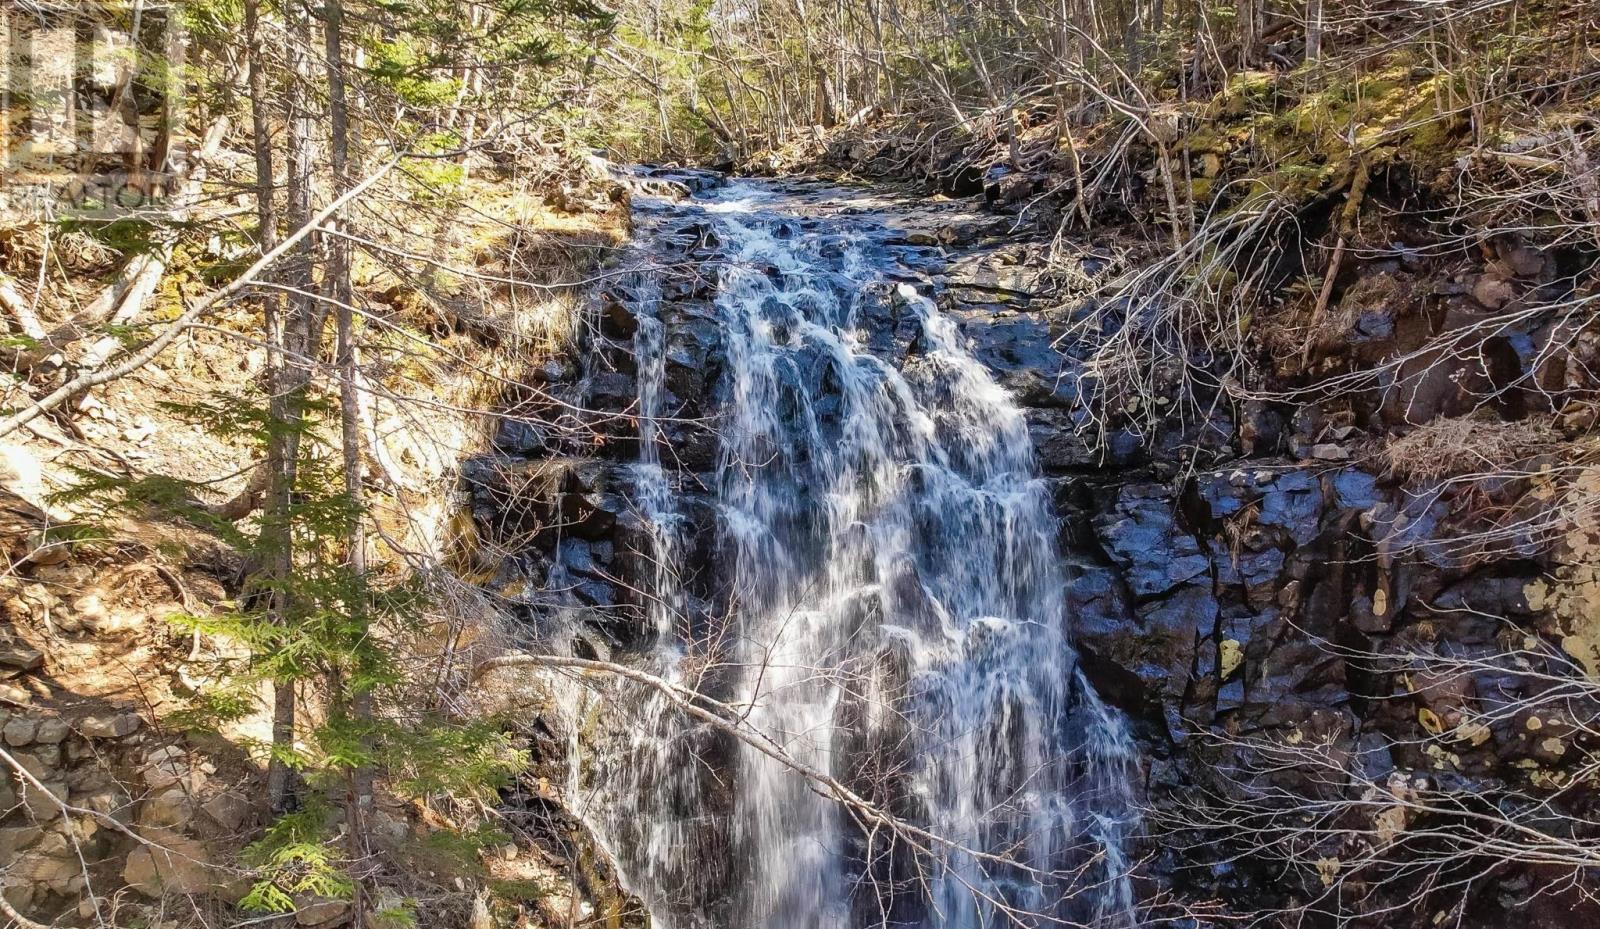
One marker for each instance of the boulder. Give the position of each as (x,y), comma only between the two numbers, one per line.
(228,810)
(19,656)
(51,863)
(169,766)
(14,840)
(52,731)
(173,863)
(171,808)
(20,730)
(110,725)
(45,804)
(317,914)
(1058,445)
(1493,292)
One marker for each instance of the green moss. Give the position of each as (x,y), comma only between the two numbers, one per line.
(1246,92)
(523,891)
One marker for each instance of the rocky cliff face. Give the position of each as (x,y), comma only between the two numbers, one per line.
(1256,588)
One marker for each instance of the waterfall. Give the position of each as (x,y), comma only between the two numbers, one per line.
(896,618)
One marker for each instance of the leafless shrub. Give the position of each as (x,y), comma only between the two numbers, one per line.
(1464,445)
(1348,823)
(1166,338)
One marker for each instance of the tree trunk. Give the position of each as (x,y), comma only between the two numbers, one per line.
(359,802)
(1313,30)
(297,340)
(1248,33)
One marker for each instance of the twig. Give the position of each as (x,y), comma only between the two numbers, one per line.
(143,357)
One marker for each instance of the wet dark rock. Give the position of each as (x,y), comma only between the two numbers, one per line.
(1142,536)
(613,391)
(1261,429)
(522,500)
(691,352)
(959,177)
(694,180)
(1220,570)
(1057,442)
(1008,341)
(1355,490)
(1292,503)
(527,438)
(1249,565)
(617,319)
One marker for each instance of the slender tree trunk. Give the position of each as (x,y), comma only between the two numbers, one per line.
(297,340)
(1313,30)
(357,690)
(1246,12)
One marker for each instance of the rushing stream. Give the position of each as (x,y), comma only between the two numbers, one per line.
(895,617)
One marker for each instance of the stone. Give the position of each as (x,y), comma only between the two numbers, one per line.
(94,615)
(1058,443)
(44,805)
(20,895)
(1328,451)
(1143,538)
(1525,261)
(12,694)
(522,437)
(171,808)
(175,863)
(316,913)
(52,731)
(1355,490)
(48,755)
(1493,292)
(110,725)
(111,801)
(44,551)
(20,731)
(169,766)
(228,810)
(51,863)
(14,840)
(20,656)
(616,319)
(1293,504)
(8,799)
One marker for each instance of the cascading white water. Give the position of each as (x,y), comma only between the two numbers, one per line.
(630,788)
(898,612)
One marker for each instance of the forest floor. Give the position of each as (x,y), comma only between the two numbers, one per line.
(97,668)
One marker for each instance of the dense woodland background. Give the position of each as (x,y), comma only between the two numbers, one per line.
(261,299)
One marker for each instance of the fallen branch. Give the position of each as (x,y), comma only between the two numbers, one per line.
(122,301)
(19,309)
(9,912)
(139,359)
(1347,226)
(733,721)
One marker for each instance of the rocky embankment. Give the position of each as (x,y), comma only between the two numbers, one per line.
(104,812)
(1251,587)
